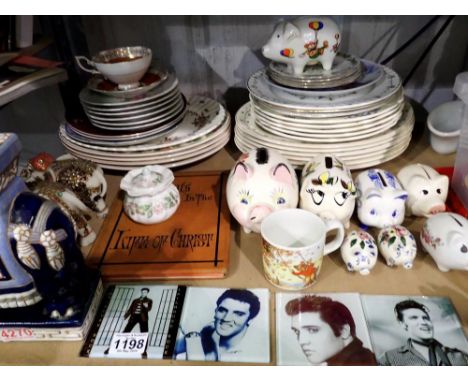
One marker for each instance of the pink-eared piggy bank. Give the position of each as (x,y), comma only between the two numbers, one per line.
(260,182)
(381,200)
(305,40)
(427,189)
(445,237)
(328,189)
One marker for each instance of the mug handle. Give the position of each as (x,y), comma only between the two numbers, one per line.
(88,62)
(335,243)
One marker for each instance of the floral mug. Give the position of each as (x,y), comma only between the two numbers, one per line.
(293,246)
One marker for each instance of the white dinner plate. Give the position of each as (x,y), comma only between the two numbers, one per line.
(202,117)
(262,88)
(88,97)
(246,125)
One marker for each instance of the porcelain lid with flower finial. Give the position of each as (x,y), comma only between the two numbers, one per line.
(149,180)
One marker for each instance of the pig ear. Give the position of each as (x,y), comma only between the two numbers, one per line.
(403,195)
(282,174)
(453,236)
(443,184)
(242,171)
(291,31)
(373,194)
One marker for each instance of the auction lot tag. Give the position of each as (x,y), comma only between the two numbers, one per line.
(128,343)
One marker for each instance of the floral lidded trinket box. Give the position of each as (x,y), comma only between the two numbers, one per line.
(151,197)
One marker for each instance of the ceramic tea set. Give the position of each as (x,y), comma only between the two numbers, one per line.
(313,99)
(263,193)
(137,116)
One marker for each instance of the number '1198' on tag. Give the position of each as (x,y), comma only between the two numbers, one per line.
(128,343)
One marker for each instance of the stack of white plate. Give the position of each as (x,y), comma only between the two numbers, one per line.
(156,104)
(345,70)
(203,131)
(348,121)
(360,153)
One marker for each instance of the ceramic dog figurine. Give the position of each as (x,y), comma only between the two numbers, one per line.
(427,189)
(327,189)
(260,182)
(304,41)
(445,237)
(381,200)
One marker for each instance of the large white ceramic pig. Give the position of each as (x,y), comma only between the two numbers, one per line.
(261,182)
(381,200)
(327,189)
(304,41)
(445,237)
(427,189)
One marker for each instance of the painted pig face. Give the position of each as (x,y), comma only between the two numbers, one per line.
(328,189)
(278,47)
(261,182)
(381,200)
(427,189)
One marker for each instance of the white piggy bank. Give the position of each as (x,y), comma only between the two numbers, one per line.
(427,189)
(445,237)
(327,189)
(398,246)
(381,200)
(305,40)
(261,182)
(359,252)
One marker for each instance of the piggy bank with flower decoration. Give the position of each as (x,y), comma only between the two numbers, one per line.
(260,182)
(427,189)
(381,199)
(327,189)
(445,237)
(306,40)
(398,246)
(359,252)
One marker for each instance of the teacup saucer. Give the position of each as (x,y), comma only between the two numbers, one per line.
(150,80)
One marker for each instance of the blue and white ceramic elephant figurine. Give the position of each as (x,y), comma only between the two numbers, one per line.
(43,277)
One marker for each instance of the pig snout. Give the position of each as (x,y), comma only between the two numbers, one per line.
(437,209)
(327,215)
(258,213)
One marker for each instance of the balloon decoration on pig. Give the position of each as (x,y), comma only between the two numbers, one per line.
(327,189)
(260,182)
(381,199)
(427,189)
(445,237)
(306,40)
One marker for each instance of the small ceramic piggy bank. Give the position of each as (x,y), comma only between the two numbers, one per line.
(328,189)
(427,189)
(445,237)
(398,246)
(359,252)
(381,200)
(305,40)
(260,182)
